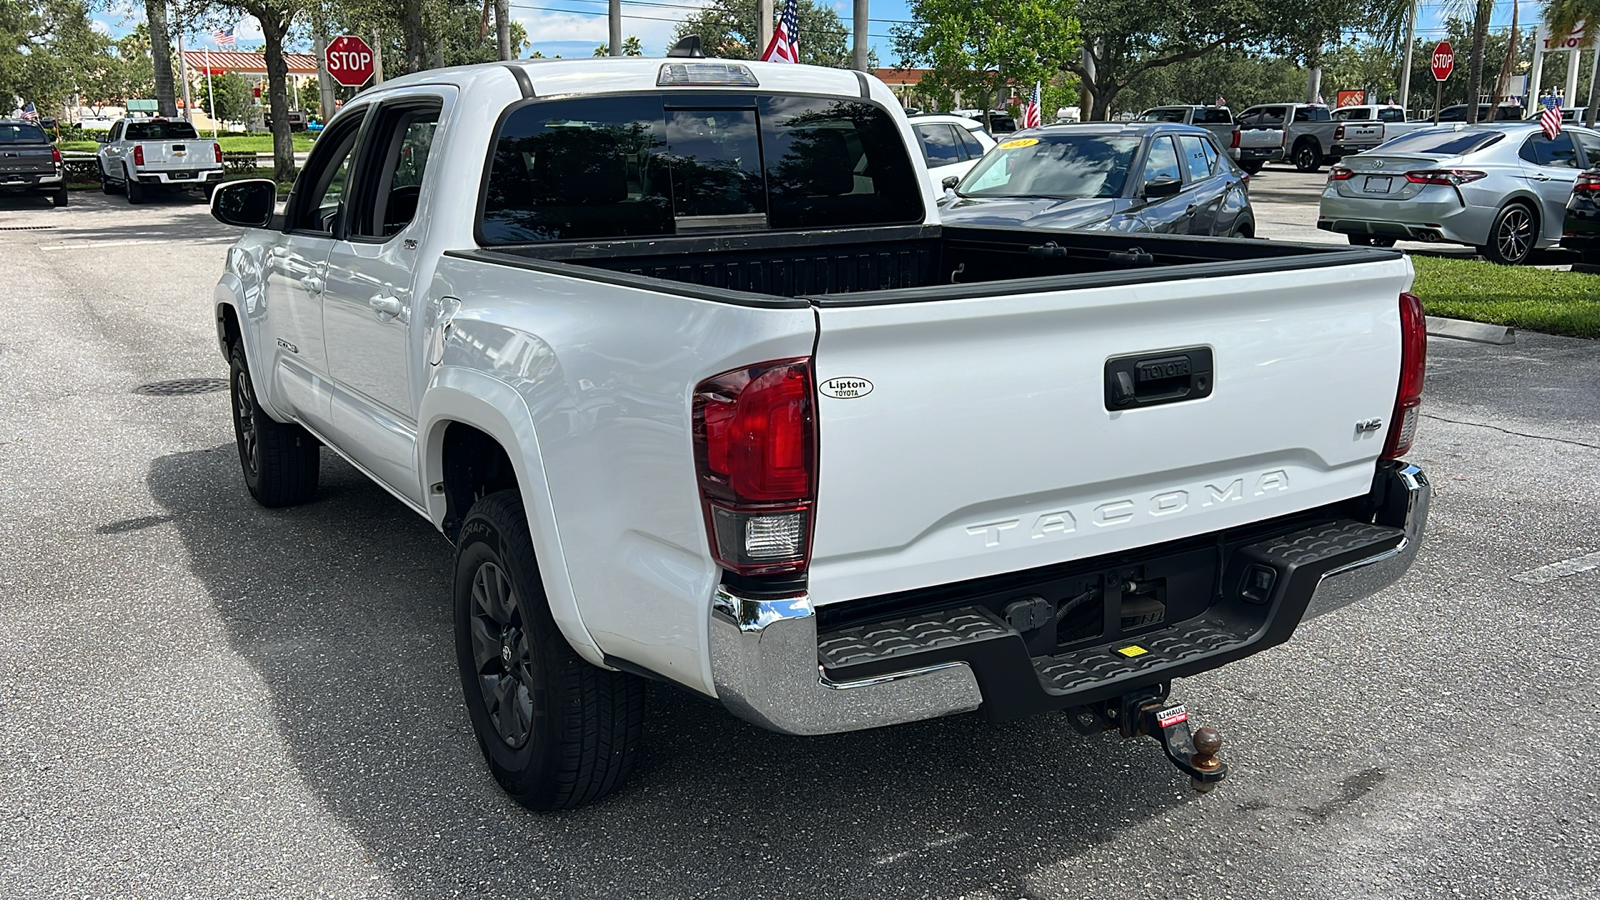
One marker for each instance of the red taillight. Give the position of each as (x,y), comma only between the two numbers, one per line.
(55,154)
(1340,173)
(216,149)
(1283,139)
(1444,176)
(755,440)
(138,154)
(1235,144)
(1588,183)
(1338,133)
(1413,361)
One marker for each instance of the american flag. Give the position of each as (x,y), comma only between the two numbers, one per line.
(30,112)
(1550,119)
(1030,113)
(785,43)
(222,36)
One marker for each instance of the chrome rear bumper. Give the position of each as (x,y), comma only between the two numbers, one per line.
(1366,577)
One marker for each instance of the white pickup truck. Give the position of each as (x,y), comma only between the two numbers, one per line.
(140,155)
(679,356)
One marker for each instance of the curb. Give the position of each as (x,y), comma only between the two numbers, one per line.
(1478,332)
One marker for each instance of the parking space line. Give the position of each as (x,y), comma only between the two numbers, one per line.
(1547,574)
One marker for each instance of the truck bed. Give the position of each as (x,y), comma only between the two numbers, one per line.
(889,265)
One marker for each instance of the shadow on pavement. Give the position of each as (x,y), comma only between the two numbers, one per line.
(342,607)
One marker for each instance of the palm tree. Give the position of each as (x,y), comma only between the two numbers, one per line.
(155,13)
(1561,17)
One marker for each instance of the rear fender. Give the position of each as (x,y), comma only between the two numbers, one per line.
(498,410)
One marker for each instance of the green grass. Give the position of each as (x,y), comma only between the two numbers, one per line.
(231,143)
(1535,299)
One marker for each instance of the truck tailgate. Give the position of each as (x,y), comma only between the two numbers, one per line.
(26,159)
(972,437)
(184,155)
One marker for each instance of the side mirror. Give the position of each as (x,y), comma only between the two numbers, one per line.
(245,204)
(102,137)
(1163,186)
(950,181)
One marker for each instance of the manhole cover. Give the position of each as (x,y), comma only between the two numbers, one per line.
(26,227)
(181,386)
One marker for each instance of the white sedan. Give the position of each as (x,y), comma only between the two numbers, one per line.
(951,145)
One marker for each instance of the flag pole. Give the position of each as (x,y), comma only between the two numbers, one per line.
(211,98)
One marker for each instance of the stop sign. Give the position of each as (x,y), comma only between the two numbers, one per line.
(1444,60)
(349,60)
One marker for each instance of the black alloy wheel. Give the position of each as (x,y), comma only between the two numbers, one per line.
(1512,237)
(1306,157)
(556,731)
(281,462)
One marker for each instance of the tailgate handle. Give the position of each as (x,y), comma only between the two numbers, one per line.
(1157,377)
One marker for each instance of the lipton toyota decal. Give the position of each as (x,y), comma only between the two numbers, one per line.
(845,388)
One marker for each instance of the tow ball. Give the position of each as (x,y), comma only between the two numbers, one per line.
(1157,715)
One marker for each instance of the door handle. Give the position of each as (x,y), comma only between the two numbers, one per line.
(312,283)
(387,307)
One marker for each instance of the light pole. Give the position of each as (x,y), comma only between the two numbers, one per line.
(859,56)
(614,12)
(764,25)
(1405,73)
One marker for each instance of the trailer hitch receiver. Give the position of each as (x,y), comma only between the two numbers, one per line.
(1155,714)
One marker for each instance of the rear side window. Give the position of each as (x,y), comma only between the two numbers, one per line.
(161,131)
(1213,116)
(1195,159)
(620,167)
(1543,151)
(1394,114)
(1591,146)
(1169,114)
(938,144)
(972,144)
(21,133)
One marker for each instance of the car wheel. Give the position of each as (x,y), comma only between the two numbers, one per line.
(1306,157)
(133,187)
(108,185)
(281,462)
(59,198)
(1253,167)
(1512,236)
(556,731)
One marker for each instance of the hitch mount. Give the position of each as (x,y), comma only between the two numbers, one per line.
(1152,712)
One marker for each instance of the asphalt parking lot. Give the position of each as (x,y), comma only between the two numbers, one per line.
(205,698)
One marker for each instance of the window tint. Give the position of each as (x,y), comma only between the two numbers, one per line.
(323,179)
(21,133)
(1216,115)
(1195,160)
(1591,146)
(1352,115)
(1064,166)
(401,143)
(970,142)
(615,167)
(938,144)
(116,133)
(1311,114)
(161,131)
(1262,117)
(1162,161)
(1392,114)
(1163,114)
(1543,151)
(1442,142)
(1212,153)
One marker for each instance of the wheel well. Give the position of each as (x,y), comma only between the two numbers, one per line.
(475,465)
(1246,228)
(227,327)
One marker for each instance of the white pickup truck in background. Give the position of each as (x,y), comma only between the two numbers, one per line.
(1391,118)
(679,356)
(139,155)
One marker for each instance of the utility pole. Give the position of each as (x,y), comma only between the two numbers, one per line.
(858,56)
(1405,73)
(615,13)
(764,25)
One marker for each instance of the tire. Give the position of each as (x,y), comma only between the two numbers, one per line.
(556,732)
(281,462)
(1253,167)
(131,185)
(107,186)
(59,198)
(1307,158)
(1512,236)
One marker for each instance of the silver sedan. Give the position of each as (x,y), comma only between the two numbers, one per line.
(1501,187)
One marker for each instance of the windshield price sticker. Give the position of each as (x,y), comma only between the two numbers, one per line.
(1018,142)
(1172,716)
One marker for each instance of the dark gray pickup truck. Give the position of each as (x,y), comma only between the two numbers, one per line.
(29,163)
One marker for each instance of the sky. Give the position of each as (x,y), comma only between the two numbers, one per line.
(575,27)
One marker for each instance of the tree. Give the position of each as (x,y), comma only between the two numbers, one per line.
(46,47)
(1123,39)
(727,28)
(1561,17)
(229,98)
(277,17)
(155,13)
(983,47)
(630,47)
(1241,77)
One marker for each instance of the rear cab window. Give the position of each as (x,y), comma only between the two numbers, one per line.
(160,131)
(652,166)
(1262,117)
(21,133)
